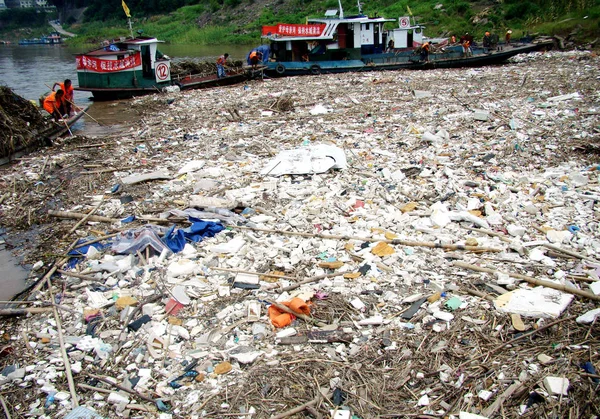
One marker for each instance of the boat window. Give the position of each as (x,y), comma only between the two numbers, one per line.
(120,57)
(367,26)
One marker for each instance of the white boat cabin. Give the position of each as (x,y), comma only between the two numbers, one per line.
(336,37)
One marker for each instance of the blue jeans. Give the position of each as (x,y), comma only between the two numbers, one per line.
(220,71)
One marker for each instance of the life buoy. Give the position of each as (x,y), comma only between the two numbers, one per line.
(280,69)
(315,69)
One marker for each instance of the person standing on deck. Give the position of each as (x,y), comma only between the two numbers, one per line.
(487,40)
(507,36)
(221,61)
(425,51)
(67,88)
(255,57)
(467,48)
(54,104)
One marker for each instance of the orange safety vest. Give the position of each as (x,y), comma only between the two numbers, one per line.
(253,54)
(221,60)
(68,92)
(426,46)
(51,103)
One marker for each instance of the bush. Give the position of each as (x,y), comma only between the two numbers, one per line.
(521,10)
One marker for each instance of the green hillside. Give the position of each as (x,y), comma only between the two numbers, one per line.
(212,22)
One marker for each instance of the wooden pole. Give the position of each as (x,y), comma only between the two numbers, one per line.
(63,351)
(85,113)
(78,215)
(23,311)
(531,280)
(372,240)
(84,219)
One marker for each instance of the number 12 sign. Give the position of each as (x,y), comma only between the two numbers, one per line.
(163,72)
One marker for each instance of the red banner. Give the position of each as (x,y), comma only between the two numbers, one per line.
(293,30)
(85,62)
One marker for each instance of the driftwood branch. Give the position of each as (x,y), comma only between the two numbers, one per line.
(23,311)
(300,408)
(372,240)
(565,288)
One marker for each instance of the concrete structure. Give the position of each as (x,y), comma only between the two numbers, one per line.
(2,4)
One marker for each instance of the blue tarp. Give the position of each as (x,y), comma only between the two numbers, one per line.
(79,251)
(133,240)
(199,229)
(264,49)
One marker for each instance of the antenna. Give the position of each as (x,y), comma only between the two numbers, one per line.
(341,9)
(359,7)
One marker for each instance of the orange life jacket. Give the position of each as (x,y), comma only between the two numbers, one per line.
(51,103)
(68,92)
(253,54)
(221,60)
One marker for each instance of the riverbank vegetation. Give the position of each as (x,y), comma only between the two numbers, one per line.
(218,22)
(212,22)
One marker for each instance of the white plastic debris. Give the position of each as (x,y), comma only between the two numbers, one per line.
(589,316)
(557,385)
(317,158)
(538,302)
(191,166)
(144,177)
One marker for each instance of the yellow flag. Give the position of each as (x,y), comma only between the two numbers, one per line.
(408,8)
(125,8)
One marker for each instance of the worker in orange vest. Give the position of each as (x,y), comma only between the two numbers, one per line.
(221,61)
(255,58)
(467,48)
(67,88)
(54,104)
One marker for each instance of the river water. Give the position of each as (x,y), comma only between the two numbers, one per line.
(30,70)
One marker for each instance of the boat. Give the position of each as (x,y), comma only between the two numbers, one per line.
(135,66)
(46,136)
(53,39)
(201,81)
(335,43)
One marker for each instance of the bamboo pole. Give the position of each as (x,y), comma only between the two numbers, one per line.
(78,215)
(309,280)
(78,275)
(241,271)
(569,252)
(84,219)
(372,240)
(125,389)
(54,267)
(84,112)
(302,407)
(531,280)
(63,351)
(23,311)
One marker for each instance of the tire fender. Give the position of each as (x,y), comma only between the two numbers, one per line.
(280,69)
(315,69)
